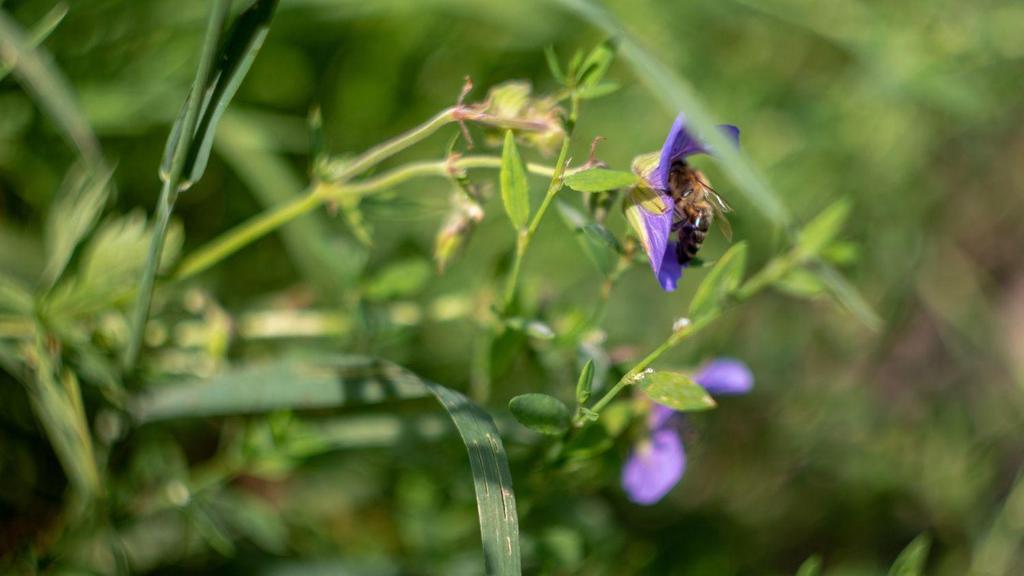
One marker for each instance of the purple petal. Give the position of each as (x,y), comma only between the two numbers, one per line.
(669,270)
(725,377)
(679,144)
(654,467)
(658,228)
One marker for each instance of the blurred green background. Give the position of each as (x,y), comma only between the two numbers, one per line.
(853,441)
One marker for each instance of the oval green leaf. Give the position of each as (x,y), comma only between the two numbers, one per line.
(677,391)
(541,413)
(599,180)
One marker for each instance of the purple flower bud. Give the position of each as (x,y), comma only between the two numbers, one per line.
(725,377)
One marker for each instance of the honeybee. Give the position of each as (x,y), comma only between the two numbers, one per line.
(696,206)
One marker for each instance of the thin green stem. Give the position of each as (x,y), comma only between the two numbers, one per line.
(266,222)
(385,150)
(244,234)
(172,182)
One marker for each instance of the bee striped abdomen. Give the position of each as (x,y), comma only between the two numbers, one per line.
(692,234)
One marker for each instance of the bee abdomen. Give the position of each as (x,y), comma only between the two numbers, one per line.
(690,241)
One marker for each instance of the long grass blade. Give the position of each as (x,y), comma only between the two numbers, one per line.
(171,178)
(336,381)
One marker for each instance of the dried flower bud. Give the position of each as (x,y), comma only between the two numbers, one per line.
(466,213)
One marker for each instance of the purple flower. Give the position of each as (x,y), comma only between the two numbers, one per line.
(655,213)
(658,461)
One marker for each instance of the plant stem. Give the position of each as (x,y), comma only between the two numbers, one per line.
(266,222)
(172,181)
(245,234)
(523,240)
(385,150)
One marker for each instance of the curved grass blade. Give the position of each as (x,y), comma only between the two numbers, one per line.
(291,384)
(335,381)
(492,479)
(41,77)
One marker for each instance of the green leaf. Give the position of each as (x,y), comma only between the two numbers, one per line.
(598,90)
(912,559)
(599,180)
(585,383)
(597,242)
(492,479)
(823,229)
(677,391)
(515,193)
(234,58)
(801,283)
(541,413)
(73,215)
(846,295)
(594,67)
(552,59)
(810,567)
(723,278)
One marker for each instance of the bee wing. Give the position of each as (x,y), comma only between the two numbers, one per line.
(720,204)
(723,224)
(720,207)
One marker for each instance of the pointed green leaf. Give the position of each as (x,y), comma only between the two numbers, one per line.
(723,278)
(810,567)
(236,55)
(595,65)
(677,391)
(585,382)
(541,413)
(552,59)
(912,559)
(599,180)
(515,193)
(823,229)
(846,295)
(598,90)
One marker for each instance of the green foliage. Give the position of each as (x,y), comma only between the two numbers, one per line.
(912,559)
(599,180)
(585,383)
(676,390)
(541,413)
(515,192)
(810,567)
(721,281)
